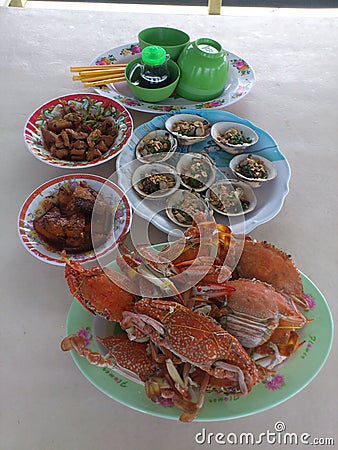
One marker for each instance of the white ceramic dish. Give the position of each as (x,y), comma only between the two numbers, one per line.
(36,204)
(185,163)
(220,128)
(232,186)
(189,118)
(147,158)
(155,168)
(253,182)
(240,81)
(270,196)
(176,201)
(51,110)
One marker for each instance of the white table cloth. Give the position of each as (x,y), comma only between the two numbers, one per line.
(46,404)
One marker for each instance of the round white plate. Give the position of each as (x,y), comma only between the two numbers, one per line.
(270,196)
(241,79)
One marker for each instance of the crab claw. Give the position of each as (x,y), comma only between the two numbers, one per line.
(95,289)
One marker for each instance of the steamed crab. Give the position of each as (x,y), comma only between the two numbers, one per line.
(225,331)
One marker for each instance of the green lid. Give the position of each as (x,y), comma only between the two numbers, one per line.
(153,55)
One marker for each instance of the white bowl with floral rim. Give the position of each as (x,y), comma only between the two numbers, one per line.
(83,102)
(43,198)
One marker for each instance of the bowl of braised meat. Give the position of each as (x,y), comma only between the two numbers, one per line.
(78,130)
(77,217)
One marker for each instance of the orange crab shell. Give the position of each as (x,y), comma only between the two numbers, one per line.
(96,291)
(131,355)
(265,262)
(195,338)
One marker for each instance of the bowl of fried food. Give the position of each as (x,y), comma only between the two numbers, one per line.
(78,130)
(80,217)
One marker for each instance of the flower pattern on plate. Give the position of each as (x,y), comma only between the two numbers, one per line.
(274,382)
(242,67)
(234,89)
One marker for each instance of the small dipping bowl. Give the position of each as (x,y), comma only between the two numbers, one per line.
(182,138)
(231,205)
(144,171)
(192,159)
(220,128)
(146,157)
(182,205)
(171,39)
(153,95)
(253,182)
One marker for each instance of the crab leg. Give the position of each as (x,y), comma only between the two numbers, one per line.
(130,358)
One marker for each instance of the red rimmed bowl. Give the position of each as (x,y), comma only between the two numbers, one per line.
(83,103)
(42,200)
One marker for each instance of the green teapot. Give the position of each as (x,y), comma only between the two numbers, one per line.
(204,69)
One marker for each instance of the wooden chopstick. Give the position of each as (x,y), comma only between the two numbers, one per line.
(88,73)
(106,81)
(101,67)
(99,75)
(102,76)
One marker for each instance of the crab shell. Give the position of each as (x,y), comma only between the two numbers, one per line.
(195,339)
(255,310)
(265,262)
(131,358)
(95,289)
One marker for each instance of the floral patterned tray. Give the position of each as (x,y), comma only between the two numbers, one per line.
(291,378)
(241,79)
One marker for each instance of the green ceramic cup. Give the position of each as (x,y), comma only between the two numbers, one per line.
(153,95)
(171,39)
(204,70)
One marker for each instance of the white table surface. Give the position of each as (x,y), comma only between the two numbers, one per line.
(46,404)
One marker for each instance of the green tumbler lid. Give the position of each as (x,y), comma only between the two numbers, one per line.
(153,55)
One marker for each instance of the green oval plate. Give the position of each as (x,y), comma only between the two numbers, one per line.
(291,378)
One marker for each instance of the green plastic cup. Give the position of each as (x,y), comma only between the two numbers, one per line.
(171,39)
(204,70)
